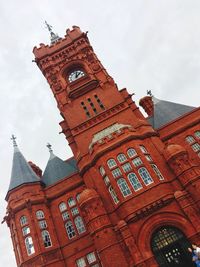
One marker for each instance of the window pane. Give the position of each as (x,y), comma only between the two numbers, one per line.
(71,202)
(26,230)
(46,239)
(91,257)
(127,167)
(143,149)
(113,194)
(106,180)
(42,224)
(148,157)
(190,139)
(197,134)
(62,206)
(157,171)
(102,171)
(134,181)
(81,262)
(65,215)
(137,162)
(116,173)
(29,245)
(79,225)
(196,147)
(74,211)
(23,220)
(121,158)
(70,229)
(145,176)
(39,214)
(111,163)
(124,187)
(131,152)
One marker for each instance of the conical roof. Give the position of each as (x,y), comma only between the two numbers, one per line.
(22,173)
(166,111)
(57,169)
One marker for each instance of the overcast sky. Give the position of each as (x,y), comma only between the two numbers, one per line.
(143,44)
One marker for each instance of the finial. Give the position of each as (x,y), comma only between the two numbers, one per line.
(13,138)
(149,93)
(54,37)
(49,147)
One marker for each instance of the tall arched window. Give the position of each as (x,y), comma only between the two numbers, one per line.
(23,220)
(39,214)
(134,181)
(157,171)
(62,206)
(145,176)
(46,239)
(79,225)
(111,163)
(70,230)
(124,187)
(71,202)
(113,194)
(131,152)
(29,245)
(121,158)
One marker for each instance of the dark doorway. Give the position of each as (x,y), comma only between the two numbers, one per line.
(170,247)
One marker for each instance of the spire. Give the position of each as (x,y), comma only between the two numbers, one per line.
(57,169)
(22,173)
(54,37)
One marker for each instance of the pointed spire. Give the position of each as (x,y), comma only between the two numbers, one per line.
(57,169)
(54,37)
(22,173)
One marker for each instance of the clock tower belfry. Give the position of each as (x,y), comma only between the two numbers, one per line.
(87,96)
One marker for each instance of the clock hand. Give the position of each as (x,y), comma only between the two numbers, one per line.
(77,74)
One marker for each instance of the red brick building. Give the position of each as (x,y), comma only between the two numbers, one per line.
(130,195)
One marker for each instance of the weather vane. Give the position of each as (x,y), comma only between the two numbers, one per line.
(54,37)
(49,147)
(13,138)
(149,93)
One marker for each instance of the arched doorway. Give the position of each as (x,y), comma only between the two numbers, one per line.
(170,247)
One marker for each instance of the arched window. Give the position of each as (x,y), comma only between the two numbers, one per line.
(79,225)
(121,158)
(197,134)
(62,206)
(157,171)
(71,202)
(26,230)
(134,181)
(39,214)
(46,239)
(190,139)
(29,245)
(113,194)
(102,171)
(106,180)
(131,152)
(42,224)
(143,149)
(70,230)
(124,187)
(111,163)
(145,176)
(196,147)
(23,220)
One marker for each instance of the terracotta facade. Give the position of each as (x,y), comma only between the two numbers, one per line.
(133,179)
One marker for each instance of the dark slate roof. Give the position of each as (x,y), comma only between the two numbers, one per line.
(57,169)
(165,112)
(22,173)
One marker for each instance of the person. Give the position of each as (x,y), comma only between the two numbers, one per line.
(194,255)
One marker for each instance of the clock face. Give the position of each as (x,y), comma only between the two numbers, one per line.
(75,75)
